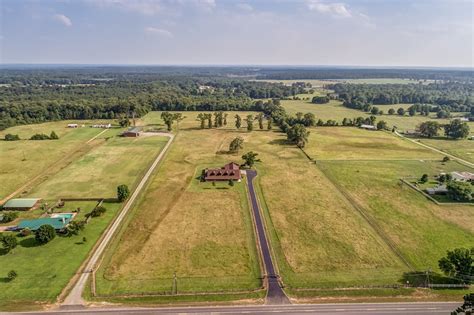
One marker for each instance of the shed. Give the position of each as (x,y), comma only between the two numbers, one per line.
(72,125)
(438,190)
(22,204)
(132,132)
(368,127)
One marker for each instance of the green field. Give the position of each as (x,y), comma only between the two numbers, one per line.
(99,172)
(460,148)
(200,231)
(43,271)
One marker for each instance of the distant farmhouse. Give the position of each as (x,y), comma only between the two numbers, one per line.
(132,132)
(22,204)
(368,127)
(230,171)
(462,176)
(104,126)
(72,125)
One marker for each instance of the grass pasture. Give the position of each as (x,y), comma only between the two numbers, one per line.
(200,231)
(463,149)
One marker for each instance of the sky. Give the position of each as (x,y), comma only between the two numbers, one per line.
(436,33)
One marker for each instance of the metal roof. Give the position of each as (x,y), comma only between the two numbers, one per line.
(21,203)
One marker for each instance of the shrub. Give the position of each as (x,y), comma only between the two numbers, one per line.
(39,136)
(53,136)
(25,232)
(320,100)
(11,137)
(11,275)
(9,242)
(9,217)
(460,191)
(45,233)
(122,193)
(446,159)
(424,178)
(98,211)
(75,227)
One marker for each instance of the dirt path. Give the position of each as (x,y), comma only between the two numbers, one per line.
(462,161)
(75,295)
(275,294)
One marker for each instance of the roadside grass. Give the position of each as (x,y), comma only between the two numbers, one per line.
(201,232)
(44,270)
(98,173)
(350,143)
(22,160)
(422,230)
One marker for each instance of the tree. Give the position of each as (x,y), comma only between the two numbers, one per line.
(236,144)
(382,125)
(391,111)
(374,110)
(249,121)
(260,120)
(429,128)
(460,191)
(443,114)
(320,100)
(250,158)
(75,227)
(9,242)
(168,119)
(231,183)
(458,263)
(401,111)
(467,307)
(412,111)
(269,123)
(238,121)
(98,211)
(45,233)
(178,117)
(298,135)
(122,192)
(53,136)
(309,120)
(9,216)
(202,118)
(456,129)
(424,178)
(124,122)
(11,137)
(446,159)
(209,120)
(12,275)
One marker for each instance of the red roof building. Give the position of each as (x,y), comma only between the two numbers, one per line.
(230,171)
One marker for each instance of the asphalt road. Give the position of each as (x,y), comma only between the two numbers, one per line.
(321,309)
(275,294)
(75,295)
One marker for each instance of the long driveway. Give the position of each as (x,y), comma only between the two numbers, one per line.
(420,308)
(75,295)
(275,294)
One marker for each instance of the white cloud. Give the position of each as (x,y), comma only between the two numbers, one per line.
(158,31)
(146,7)
(244,6)
(61,18)
(335,9)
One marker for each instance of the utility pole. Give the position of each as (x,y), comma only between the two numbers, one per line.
(174,289)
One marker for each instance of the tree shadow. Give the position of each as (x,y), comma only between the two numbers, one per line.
(29,242)
(279,142)
(3,251)
(4,280)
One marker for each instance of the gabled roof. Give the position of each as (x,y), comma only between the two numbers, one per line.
(21,203)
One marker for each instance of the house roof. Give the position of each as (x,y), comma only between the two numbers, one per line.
(21,203)
(463,175)
(229,171)
(34,224)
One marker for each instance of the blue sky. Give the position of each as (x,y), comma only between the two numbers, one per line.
(287,32)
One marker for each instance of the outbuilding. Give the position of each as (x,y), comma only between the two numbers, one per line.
(368,127)
(22,204)
(132,132)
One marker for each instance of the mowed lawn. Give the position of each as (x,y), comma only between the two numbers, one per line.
(319,240)
(117,161)
(422,231)
(22,160)
(43,271)
(350,143)
(201,232)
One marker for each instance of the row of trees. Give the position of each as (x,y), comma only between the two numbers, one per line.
(456,129)
(220,120)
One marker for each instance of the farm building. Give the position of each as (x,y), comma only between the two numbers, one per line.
(72,125)
(438,190)
(22,204)
(132,132)
(105,126)
(462,176)
(368,127)
(58,221)
(230,171)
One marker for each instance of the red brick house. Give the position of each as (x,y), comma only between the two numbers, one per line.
(230,171)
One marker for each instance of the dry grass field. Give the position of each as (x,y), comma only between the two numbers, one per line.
(460,148)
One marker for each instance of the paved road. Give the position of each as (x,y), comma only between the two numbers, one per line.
(462,161)
(75,296)
(320,309)
(275,294)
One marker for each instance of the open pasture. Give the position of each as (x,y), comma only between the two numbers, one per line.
(201,232)
(460,148)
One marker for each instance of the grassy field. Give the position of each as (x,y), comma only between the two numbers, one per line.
(23,160)
(43,271)
(460,148)
(201,232)
(98,173)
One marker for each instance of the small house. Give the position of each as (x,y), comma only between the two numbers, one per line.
(22,204)
(368,127)
(228,172)
(132,132)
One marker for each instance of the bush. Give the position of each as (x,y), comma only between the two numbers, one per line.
(9,217)
(75,227)
(424,178)
(25,232)
(9,242)
(39,136)
(446,159)
(11,137)
(122,193)
(320,100)
(11,275)
(460,191)
(98,211)
(53,136)
(45,233)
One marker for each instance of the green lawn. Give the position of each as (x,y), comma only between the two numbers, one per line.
(43,271)
(460,148)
